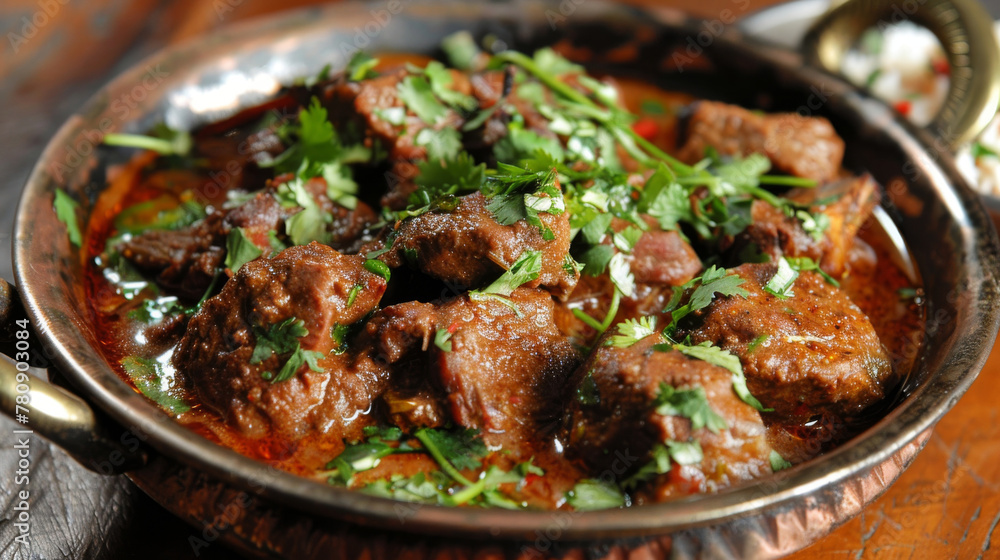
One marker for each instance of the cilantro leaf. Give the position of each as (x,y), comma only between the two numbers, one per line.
(525,269)
(361,67)
(299,358)
(631,331)
(65,208)
(239,249)
(451,175)
(780,285)
(283,338)
(444,144)
(520,144)
(148,377)
(592,494)
(417,94)
(621,275)
(461,49)
(723,358)
(307,225)
(981,150)
(815,224)
(279,338)
(552,63)
(689,403)
(463,449)
(160,213)
(627,239)
(516,193)
(356,458)
(805,264)
(596,259)
(594,230)
(441,80)
(778,462)
(442,339)
(685,452)
(713,281)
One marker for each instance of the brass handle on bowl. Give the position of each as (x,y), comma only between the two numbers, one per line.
(966,33)
(51,411)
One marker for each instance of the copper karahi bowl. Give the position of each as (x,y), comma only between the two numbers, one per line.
(268,513)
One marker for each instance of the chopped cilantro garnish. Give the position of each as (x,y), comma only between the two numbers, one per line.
(756,342)
(361,67)
(780,285)
(280,339)
(525,269)
(691,404)
(592,494)
(239,249)
(153,310)
(442,339)
(148,377)
(815,224)
(516,193)
(441,81)
(805,264)
(66,208)
(626,239)
(594,230)
(417,94)
(444,144)
(166,142)
(353,294)
(778,462)
(461,49)
(722,358)
(685,452)
(621,275)
(631,331)
(378,267)
(980,150)
(713,281)
(652,107)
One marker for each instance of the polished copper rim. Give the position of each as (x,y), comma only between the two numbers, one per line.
(42,257)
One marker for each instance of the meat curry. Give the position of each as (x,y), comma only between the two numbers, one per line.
(503,283)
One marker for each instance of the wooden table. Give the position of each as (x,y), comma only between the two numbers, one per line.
(947,505)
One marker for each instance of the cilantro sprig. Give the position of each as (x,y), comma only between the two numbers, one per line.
(283,339)
(454,451)
(701,292)
(691,404)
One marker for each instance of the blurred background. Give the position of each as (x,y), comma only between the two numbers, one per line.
(57,53)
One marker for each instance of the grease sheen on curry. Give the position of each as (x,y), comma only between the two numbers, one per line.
(504,283)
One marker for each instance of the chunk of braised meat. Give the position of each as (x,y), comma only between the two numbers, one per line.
(309,283)
(660,256)
(185,261)
(659,261)
(468,248)
(612,420)
(364,103)
(847,204)
(811,354)
(803,146)
(503,374)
